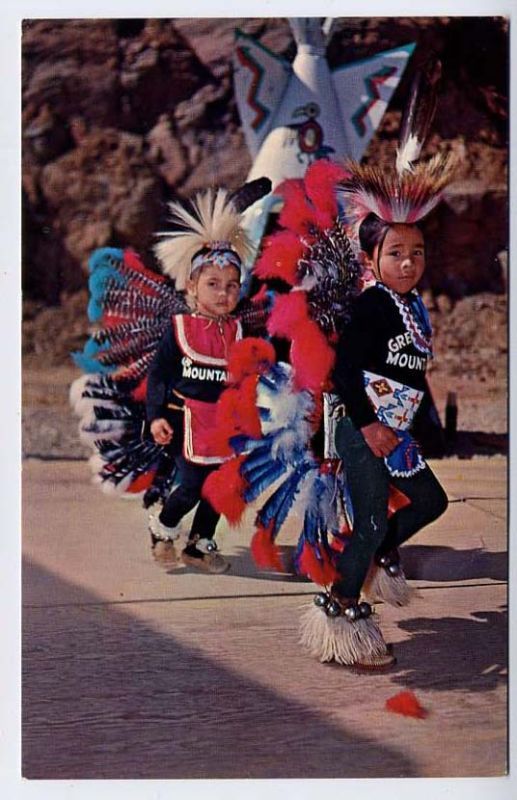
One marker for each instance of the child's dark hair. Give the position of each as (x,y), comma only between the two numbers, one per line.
(372,232)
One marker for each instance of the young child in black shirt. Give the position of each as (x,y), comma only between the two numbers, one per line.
(380,377)
(379,380)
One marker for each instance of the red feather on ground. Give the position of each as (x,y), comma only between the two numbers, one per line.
(406,703)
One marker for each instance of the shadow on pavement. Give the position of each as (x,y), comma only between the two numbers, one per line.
(440,563)
(243,566)
(470,655)
(421,562)
(106,696)
(468,444)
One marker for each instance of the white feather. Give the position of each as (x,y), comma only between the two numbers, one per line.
(77,388)
(408,154)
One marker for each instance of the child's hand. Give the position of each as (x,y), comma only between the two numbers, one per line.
(380,439)
(161,431)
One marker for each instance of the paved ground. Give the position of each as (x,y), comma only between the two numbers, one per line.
(133,671)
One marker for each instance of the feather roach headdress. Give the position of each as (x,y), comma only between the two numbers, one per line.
(403,197)
(211,232)
(408,191)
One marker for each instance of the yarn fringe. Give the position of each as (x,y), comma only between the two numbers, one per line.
(391,589)
(337,639)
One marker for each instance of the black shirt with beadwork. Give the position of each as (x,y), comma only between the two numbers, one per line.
(379,338)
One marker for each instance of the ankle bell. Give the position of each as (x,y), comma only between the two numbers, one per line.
(389,562)
(337,607)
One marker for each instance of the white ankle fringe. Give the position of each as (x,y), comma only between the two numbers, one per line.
(391,589)
(337,639)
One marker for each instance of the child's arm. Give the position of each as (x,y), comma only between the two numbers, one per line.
(160,380)
(352,356)
(161,431)
(380,439)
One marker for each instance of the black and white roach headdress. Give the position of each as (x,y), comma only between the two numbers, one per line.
(408,191)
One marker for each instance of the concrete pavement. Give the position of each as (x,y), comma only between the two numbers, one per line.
(135,671)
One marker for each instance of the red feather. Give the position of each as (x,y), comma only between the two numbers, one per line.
(407,704)
(311,357)
(396,500)
(135,263)
(224,490)
(315,563)
(247,414)
(289,312)
(139,393)
(297,214)
(279,257)
(142,482)
(320,182)
(112,320)
(265,552)
(260,296)
(226,425)
(249,356)
(237,411)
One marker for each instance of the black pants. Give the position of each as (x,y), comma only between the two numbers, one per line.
(183,499)
(368,482)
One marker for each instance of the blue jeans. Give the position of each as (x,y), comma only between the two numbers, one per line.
(368,483)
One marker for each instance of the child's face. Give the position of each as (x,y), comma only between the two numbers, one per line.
(402,258)
(216,290)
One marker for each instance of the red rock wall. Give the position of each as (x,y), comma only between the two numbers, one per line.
(121,115)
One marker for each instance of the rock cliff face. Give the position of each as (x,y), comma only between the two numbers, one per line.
(121,115)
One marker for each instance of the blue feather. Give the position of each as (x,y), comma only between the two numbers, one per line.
(263,480)
(275,378)
(91,348)
(257,458)
(242,443)
(88,365)
(94,310)
(100,278)
(279,504)
(105,255)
